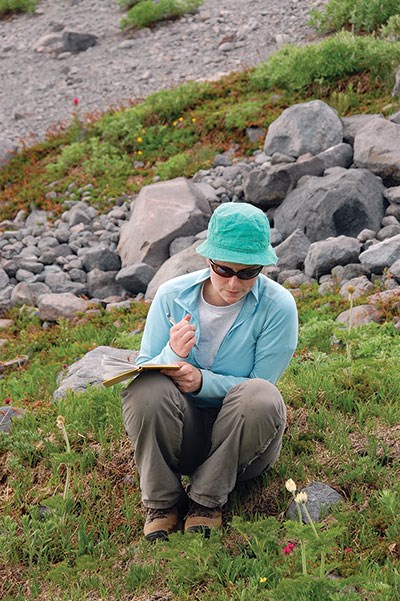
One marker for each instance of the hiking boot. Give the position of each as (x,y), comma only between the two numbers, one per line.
(160,522)
(203,519)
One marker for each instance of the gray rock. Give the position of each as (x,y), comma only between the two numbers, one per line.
(395,270)
(88,370)
(320,498)
(254,134)
(365,235)
(307,127)
(343,202)
(184,262)
(322,256)
(7,149)
(161,213)
(343,273)
(393,194)
(180,244)
(361,286)
(222,160)
(7,415)
(28,294)
(4,279)
(353,124)
(388,232)
(101,284)
(381,255)
(102,258)
(269,186)
(135,278)
(53,307)
(377,148)
(293,251)
(60,283)
(360,315)
(75,42)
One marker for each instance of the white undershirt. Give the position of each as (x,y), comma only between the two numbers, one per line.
(215,323)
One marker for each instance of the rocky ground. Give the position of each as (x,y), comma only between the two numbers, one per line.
(39,81)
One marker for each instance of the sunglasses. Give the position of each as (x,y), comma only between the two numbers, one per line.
(242,274)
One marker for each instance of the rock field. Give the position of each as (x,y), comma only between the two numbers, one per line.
(40,78)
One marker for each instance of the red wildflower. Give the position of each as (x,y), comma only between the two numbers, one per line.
(347,550)
(290,547)
(75,101)
(7,400)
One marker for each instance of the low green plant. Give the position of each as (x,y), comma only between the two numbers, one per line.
(11,6)
(359,15)
(294,68)
(147,12)
(391,30)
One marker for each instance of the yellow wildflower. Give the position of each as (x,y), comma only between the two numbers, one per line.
(139,152)
(175,123)
(263,579)
(194,119)
(180,119)
(139,139)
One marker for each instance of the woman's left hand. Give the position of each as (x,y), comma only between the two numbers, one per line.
(187,378)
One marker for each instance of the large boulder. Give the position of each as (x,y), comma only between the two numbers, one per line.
(25,293)
(322,256)
(343,202)
(268,186)
(377,148)
(53,307)
(307,127)
(292,251)
(381,255)
(186,261)
(162,212)
(88,370)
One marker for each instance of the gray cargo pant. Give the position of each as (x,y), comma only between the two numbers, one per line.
(215,447)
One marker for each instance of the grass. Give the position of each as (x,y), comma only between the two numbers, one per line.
(343,418)
(144,13)
(16,6)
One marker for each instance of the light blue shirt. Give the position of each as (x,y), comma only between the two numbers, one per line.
(259,344)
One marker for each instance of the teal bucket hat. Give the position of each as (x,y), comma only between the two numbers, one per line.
(238,233)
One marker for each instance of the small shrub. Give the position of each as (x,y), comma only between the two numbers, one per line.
(71,156)
(294,68)
(391,30)
(147,12)
(14,6)
(360,15)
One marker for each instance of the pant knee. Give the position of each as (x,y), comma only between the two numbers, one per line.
(259,400)
(149,398)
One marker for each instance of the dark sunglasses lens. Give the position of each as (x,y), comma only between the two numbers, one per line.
(243,274)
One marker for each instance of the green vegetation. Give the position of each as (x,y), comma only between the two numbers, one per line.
(392,28)
(146,12)
(16,6)
(71,520)
(337,57)
(361,16)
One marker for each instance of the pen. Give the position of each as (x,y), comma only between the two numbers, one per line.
(173,323)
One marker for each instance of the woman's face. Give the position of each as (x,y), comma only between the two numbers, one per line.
(222,291)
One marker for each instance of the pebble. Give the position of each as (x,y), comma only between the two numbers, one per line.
(40,81)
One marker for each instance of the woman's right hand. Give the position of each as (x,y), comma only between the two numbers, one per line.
(182,337)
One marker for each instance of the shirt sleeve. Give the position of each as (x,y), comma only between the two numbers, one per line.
(155,346)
